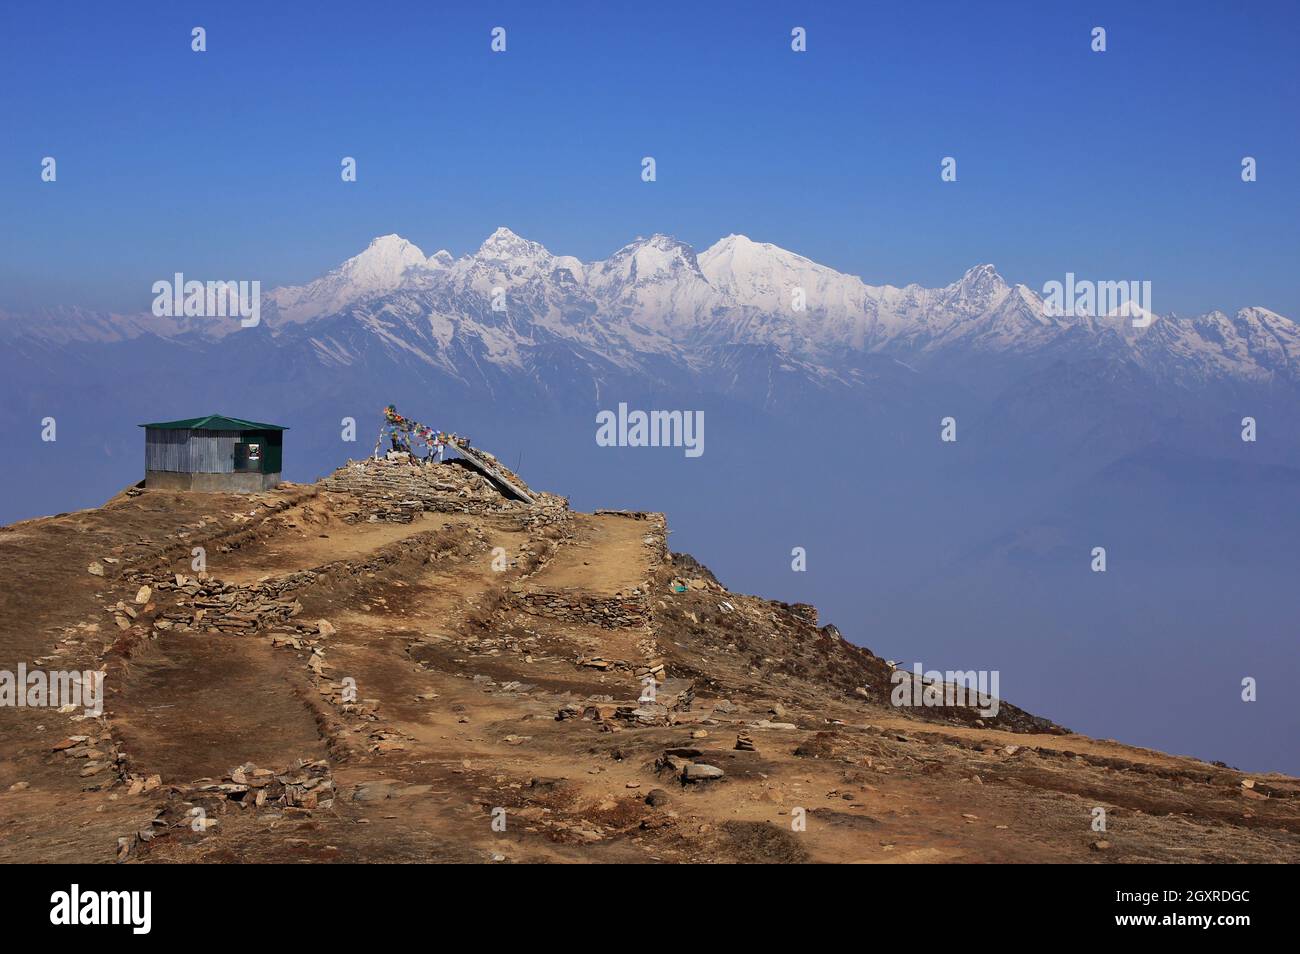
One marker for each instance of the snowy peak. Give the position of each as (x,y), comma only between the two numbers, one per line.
(657,248)
(656,260)
(810,307)
(982,277)
(1262,317)
(382,265)
(980,289)
(509,260)
(737,264)
(741,251)
(504,245)
(381,268)
(763,275)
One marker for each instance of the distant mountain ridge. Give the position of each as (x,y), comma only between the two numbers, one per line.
(656,303)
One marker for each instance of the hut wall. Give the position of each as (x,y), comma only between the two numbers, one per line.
(190,452)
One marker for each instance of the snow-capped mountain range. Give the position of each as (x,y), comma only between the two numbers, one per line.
(656,295)
(656,302)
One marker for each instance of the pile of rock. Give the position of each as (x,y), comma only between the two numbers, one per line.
(804,611)
(343,695)
(673,693)
(395,490)
(516,643)
(387,511)
(304,785)
(548,510)
(615,612)
(600,712)
(613,716)
(683,762)
(98,750)
(644,715)
(142,784)
(217,607)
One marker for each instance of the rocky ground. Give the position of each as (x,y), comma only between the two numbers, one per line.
(399,664)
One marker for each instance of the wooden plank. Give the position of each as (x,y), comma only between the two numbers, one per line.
(491,473)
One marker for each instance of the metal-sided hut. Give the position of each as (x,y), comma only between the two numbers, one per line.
(213,453)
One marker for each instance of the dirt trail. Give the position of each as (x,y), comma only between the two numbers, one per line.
(309,538)
(608,557)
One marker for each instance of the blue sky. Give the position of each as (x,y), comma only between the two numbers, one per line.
(1123,164)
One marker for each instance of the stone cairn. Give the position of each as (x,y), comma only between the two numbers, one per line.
(396,489)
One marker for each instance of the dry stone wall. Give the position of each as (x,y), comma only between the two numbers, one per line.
(609,612)
(396,489)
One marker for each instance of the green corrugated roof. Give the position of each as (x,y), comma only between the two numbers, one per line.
(214,422)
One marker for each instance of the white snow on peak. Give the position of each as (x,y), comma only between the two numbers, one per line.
(759,273)
(656,294)
(654,282)
(1130,309)
(978,290)
(651,260)
(806,301)
(381,268)
(505,245)
(383,264)
(508,260)
(986,274)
